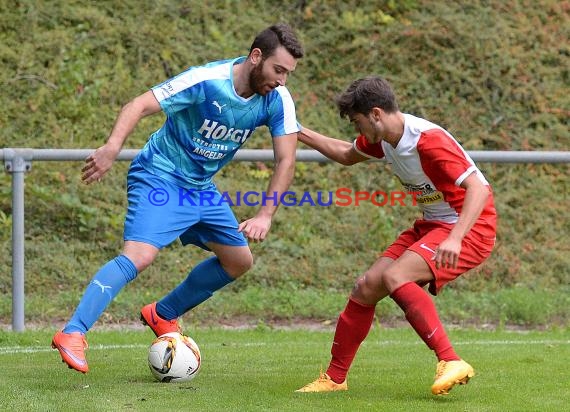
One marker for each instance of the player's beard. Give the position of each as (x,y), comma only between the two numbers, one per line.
(257,81)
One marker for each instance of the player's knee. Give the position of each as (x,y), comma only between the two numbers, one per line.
(392,279)
(238,265)
(140,254)
(366,290)
(142,260)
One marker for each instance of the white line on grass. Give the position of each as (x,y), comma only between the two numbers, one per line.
(9,350)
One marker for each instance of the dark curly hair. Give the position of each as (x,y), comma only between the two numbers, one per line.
(364,94)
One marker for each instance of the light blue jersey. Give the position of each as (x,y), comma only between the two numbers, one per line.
(207,122)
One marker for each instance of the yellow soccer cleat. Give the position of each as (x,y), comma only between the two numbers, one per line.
(449,374)
(324,384)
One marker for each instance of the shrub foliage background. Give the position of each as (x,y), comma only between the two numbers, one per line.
(494,73)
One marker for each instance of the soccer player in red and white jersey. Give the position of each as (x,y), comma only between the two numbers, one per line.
(455,234)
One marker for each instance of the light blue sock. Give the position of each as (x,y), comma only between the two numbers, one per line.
(201,283)
(102,289)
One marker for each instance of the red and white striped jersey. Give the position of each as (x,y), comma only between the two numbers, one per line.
(431,164)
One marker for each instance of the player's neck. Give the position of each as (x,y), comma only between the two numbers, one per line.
(241,80)
(394,129)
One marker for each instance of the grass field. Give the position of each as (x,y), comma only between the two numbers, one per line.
(259,369)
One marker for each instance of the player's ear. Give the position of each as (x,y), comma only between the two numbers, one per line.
(256,56)
(377,113)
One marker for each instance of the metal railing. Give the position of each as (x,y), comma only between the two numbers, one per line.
(18,161)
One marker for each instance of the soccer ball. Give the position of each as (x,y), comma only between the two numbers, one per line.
(173,357)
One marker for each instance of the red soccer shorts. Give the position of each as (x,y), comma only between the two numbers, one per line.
(425,236)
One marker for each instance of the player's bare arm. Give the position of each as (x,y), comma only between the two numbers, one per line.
(338,150)
(284,148)
(476,195)
(100,161)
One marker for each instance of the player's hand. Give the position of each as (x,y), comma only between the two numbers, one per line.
(447,253)
(98,163)
(256,228)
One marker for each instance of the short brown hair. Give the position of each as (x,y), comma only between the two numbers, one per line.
(364,94)
(280,34)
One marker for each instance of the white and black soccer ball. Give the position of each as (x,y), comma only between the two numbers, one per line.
(174,357)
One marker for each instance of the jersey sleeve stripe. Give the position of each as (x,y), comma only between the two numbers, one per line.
(188,79)
(365,149)
(465,174)
(360,151)
(289,117)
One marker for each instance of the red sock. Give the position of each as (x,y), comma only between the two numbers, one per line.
(421,313)
(351,329)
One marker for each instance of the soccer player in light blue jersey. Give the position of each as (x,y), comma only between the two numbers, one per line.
(211,111)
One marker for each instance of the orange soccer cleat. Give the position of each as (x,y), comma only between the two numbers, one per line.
(158,325)
(71,347)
